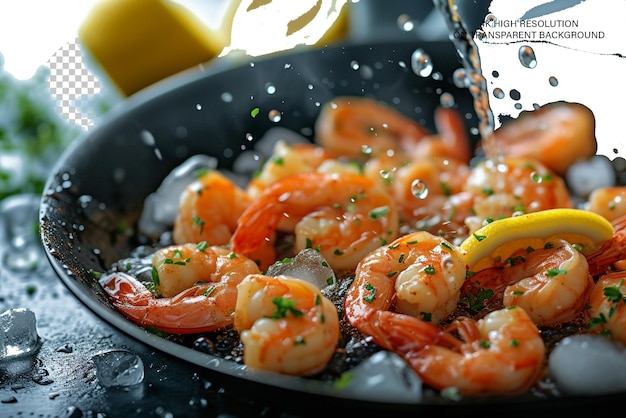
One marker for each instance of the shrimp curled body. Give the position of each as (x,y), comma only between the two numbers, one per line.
(551,284)
(419,274)
(286,325)
(202,283)
(344,215)
(502,353)
(208,209)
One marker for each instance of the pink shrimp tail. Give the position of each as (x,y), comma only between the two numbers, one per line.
(611,252)
(189,312)
(452,129)
(406,335)
(255,224)
(124,289)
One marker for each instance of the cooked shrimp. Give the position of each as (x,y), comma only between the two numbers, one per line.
(607,306)
(450,142)
(419,274)
(287,159)
(199,284)
(551,284)
(611,254)
(286,325)
(502,353)
(208,210)
(421,187)
(516,185)
(609,202)
(343,215)
(360,128)
(557,135)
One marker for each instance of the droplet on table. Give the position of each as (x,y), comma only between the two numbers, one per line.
(118,368)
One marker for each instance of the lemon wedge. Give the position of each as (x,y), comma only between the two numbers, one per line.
(139,42)
(496,241)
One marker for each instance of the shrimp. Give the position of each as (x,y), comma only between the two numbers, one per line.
(516,185)
(418,274)
(208,210)
(610,254)
(607,306)
(286,325)
(609,202)
(502,353)
(557,135)
(422,187)
(551,284)
(287,159)
(344,215)
(360,128)
(198,284)
(451,141)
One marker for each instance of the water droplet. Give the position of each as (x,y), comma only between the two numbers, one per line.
(147,138)
(460,78)
(490,19)
(270,88)
(518,106)
(553,81)
(198,106)
(495,74)
(354,65)
(421,63)
(535,177)
(387,175)
(419,189)
(405,23)
(515,94)
(527,56)
(119,368)
(226,97)
(275,115)
(249,137)
(366,150)
(366,72)
(447,100)
(498,93)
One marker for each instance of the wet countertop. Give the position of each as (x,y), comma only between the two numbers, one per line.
(60,378)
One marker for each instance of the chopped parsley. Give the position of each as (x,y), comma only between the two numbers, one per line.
(285,306)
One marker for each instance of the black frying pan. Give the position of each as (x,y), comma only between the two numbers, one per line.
(96,191)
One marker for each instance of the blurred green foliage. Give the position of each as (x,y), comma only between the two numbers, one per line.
(33,133)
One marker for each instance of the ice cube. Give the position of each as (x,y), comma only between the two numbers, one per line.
(18,232)
(19,333)
(307,265)
(383,377)
(118,368)
(160,207)
(588,365)
(265,145)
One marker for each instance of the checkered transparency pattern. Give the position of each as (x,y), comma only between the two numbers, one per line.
(70,80)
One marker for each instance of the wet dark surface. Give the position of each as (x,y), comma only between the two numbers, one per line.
(60,380)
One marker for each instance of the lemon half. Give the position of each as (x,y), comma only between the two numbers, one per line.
(496,241)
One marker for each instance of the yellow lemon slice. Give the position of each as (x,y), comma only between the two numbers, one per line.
(139,42)
(495,242)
